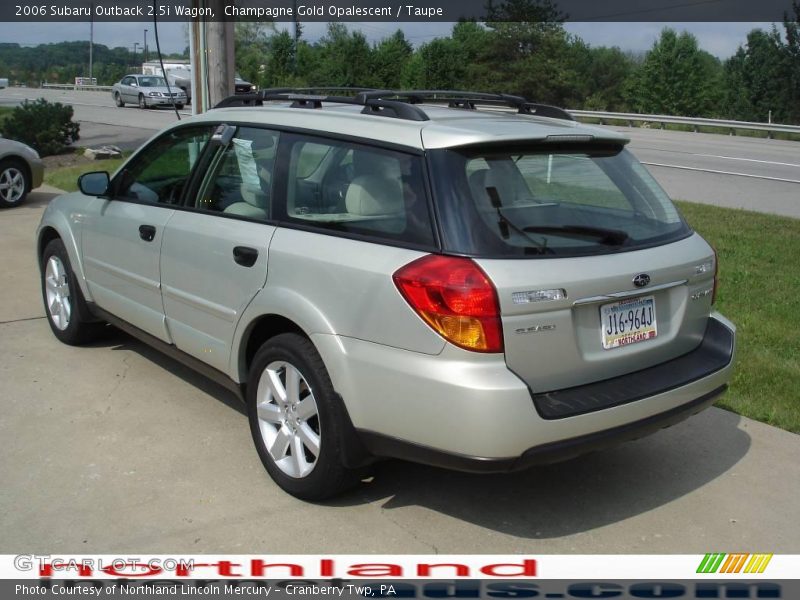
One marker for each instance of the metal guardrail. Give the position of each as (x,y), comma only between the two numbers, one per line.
(80,88)
(695,122)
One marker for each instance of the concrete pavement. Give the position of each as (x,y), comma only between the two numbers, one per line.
(113,448)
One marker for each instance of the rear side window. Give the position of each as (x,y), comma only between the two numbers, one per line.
(355,189)
(550,202)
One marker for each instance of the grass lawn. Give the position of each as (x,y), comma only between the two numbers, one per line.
(760,292)
(66,178)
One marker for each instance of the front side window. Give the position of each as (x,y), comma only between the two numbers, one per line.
(158,174)
(543,202)
(356,189)
(241,176)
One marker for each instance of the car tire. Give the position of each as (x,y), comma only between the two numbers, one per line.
(142,102)
(118,100)
(15,183)
(290,422)
(67,313)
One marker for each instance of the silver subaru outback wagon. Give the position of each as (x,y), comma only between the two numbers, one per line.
(465,280)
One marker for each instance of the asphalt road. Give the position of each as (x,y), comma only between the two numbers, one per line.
(113,448)
(732,171)
(738,172)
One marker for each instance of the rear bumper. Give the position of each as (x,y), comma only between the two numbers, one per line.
(380,445)
(713,354)
(470,412)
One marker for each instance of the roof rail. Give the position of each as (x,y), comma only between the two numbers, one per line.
(469,100)
(372,106)
(398,104)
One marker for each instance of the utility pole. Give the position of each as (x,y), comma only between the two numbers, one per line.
(145,46)
(91,42)
(219,48)
(135,46)
(296,37)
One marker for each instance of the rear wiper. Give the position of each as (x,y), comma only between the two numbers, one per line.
(607,237)
(504,223)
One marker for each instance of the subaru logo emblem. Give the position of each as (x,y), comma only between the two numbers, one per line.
(641,280)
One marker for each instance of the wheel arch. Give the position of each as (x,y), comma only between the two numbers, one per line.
(61,231)
(265,327)
(259,331)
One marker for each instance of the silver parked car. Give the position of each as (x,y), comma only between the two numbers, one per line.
(21,170)
(147,91)
(459,279)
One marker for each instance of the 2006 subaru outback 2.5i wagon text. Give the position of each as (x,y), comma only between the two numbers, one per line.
(459,279)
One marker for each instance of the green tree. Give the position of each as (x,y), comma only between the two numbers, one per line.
(756,79)
(677,78)
(281,61)
(602,76)
(390,57)
(251,43)
(443,68)
(342,58)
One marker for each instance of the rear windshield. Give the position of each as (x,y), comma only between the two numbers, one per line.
(540,202)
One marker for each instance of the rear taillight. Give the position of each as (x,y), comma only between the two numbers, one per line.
(455,297)
(716,277)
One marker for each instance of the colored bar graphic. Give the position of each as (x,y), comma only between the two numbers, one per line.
(734,563)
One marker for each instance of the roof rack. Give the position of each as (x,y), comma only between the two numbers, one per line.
(400,104)
(470,100)
(305,98)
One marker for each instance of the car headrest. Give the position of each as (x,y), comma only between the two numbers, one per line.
(372,195)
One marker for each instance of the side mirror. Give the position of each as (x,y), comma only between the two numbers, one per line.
(95,183)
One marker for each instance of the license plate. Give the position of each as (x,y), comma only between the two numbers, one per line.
(628,321)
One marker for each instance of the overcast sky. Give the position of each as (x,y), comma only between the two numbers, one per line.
(720,39)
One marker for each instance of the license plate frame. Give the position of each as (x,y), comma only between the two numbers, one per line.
(628,321)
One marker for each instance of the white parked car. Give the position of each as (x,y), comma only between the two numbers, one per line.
(147,91)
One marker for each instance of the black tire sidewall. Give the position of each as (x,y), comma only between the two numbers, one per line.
(22,168)
(118,99)
(142,102)
(329,475)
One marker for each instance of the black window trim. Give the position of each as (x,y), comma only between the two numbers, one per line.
(196,178)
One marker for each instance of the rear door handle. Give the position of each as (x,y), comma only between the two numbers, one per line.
(147,232)
(245,256)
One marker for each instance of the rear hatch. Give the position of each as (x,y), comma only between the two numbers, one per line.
(597,274)
(599,324)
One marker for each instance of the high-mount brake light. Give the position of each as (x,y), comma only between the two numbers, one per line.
(456,298)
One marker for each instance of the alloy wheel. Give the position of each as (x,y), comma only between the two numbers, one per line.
(12,185)
(288,419)
(59,303)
